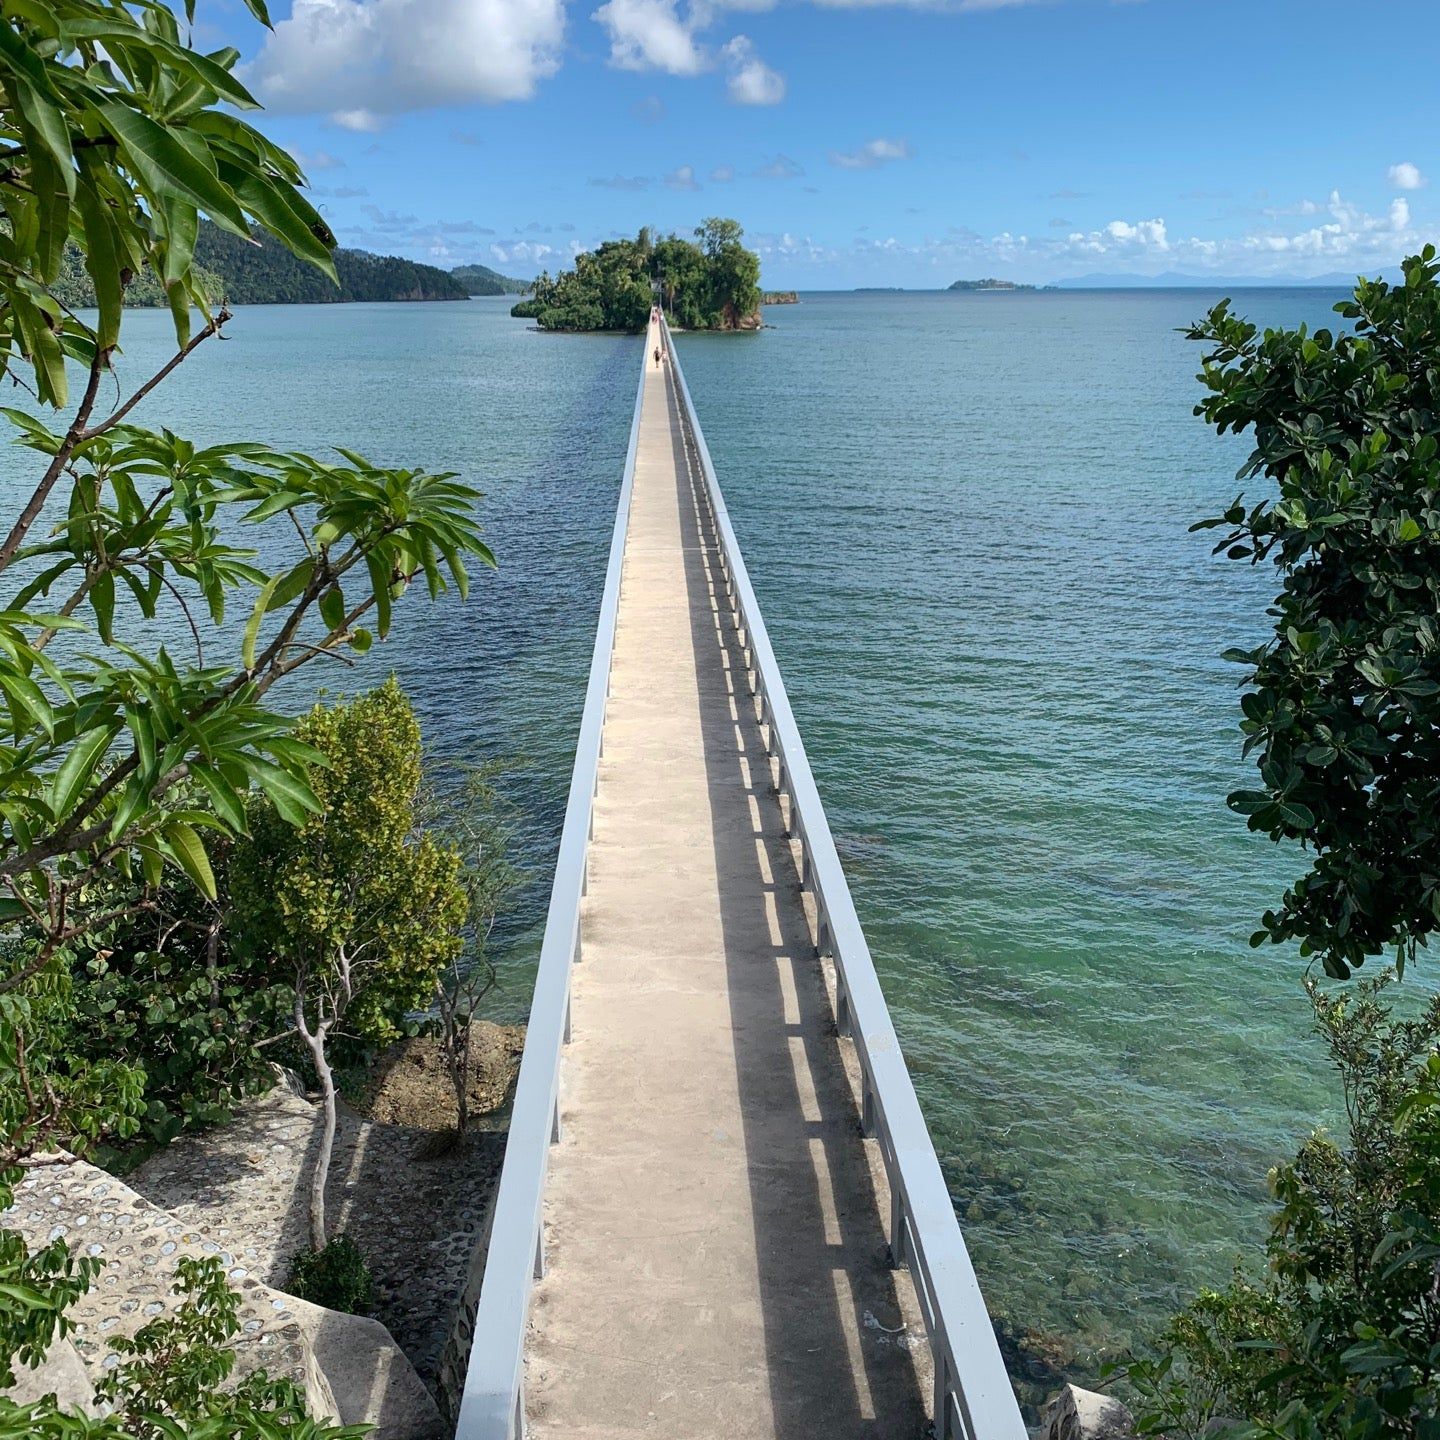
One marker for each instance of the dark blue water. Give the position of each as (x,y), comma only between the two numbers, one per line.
(966,517)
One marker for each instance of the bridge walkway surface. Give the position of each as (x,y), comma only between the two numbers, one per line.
(715,1254)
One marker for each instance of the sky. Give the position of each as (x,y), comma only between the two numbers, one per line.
(865,142)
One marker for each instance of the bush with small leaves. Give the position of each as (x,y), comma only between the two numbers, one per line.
(171,1379)
(1339,1337)
(336,1277)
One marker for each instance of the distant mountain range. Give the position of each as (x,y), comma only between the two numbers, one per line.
(482,280)
(265,273)
(1177,280)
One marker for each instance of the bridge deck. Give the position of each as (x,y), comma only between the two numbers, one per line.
(716,1256)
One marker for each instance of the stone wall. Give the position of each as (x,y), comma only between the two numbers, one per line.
(348,1366)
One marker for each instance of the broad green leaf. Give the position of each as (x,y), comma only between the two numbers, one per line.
(185,845)
(76,769)
(167,167)
(228,805)
(28,699)
(332,608)
(252,628)
(102,258)
(292,798)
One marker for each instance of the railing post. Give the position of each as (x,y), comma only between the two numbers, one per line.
(898,1258)
(943,1429)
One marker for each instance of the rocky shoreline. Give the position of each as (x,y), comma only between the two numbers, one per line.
(238,1192)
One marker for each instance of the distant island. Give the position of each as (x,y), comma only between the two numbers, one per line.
(264,273)
(780,297)
(712,285)
(988,284)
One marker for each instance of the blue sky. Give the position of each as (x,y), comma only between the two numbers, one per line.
(862,142)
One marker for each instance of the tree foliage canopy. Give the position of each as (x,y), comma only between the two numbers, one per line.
(357,875)
(1342,703)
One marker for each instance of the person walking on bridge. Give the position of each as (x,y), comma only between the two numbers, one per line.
(657,357)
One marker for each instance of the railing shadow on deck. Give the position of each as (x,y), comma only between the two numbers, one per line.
(837,1347)
(973,1395)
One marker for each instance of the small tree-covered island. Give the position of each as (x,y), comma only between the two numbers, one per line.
(710,285)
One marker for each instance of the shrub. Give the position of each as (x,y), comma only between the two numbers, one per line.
(170,1380)
(358,904)
(1340,1335)
(166,993)
(336,1277)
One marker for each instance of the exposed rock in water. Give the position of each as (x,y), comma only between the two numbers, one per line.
(780,297)
(411,1085)
(1076,1414)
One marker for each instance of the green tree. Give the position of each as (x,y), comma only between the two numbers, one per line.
(716,235)
(357,904)
(1342,710)
(733,272)
(116,759)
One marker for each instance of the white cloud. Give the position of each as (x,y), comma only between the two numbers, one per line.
(655,35)
(361,60)
(1147,234)
(752,81)
(524,252)
(722,174)
(650,35)
(363,122)
(1406,176)
(871,154)
(681,179)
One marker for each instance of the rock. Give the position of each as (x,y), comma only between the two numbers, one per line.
(244,1186)
(1076,1414)
(348,1366)
(62,1374)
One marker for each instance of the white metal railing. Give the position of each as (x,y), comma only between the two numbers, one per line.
(973,1395)
(492,1406)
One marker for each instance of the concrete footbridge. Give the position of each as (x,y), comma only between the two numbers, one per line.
(720,1212)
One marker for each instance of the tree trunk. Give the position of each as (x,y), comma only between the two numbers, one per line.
(319,1177)
(462,1080)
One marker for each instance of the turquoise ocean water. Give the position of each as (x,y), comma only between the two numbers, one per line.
(966,518)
